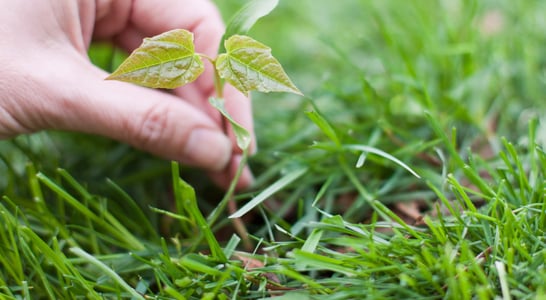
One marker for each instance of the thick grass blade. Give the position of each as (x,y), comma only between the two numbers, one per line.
(501,271)
(188,200)
(313,260)
(107,271)
(312,241)
(272,189)
(324,126)
(193,263)
(446,140)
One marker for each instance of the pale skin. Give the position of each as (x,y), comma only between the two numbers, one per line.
(48,82)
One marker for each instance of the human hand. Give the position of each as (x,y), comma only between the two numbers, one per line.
(48,82)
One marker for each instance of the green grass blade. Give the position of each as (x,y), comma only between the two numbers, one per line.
(312,241)
(109,224)
(107,271)
(59,260)
(381,153)
(385,210)
(324,126)
(272,189)
(136,212)
(194,264)
(189,200)
(10,260)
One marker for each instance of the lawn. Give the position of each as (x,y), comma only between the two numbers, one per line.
(413,168)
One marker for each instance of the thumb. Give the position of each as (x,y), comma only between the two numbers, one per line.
(151,120)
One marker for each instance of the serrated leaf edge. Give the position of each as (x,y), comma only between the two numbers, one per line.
(195,58)
(290,87)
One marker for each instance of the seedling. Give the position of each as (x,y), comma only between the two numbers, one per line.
(169,61)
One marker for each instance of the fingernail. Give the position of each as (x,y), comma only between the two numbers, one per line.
(208,149)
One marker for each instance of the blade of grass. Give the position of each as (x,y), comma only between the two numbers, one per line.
(382,208)
(87,197)
(43,209)
(324,126)
(33,259)
(112,225)
(58,259)
(193,263)
(312,241)
(268,192)
(501,271)
(381,153)
(11,260)
(446,141)
(107,271)
(231,246)
(188,200)
(178,198)
(136,211)
(313,260)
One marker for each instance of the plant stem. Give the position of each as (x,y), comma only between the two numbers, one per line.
(215,214)
(218,82)
(219,89)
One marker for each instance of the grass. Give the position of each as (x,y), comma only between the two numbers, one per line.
(454,90)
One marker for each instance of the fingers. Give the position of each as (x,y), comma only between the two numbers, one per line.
(150,120)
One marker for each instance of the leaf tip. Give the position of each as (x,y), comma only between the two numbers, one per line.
(111,77)
(297,91)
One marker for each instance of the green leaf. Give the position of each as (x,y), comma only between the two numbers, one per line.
(241,134)
(248,65)
(165,61)
(247,16)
